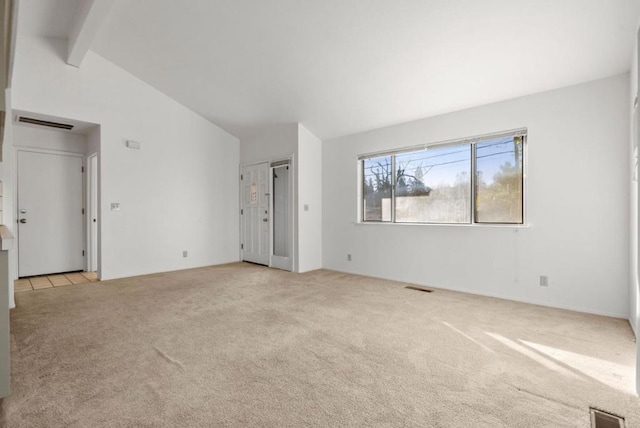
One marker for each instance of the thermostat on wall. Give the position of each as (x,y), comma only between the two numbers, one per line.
(133,144)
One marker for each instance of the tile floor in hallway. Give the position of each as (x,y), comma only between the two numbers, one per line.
(50,281)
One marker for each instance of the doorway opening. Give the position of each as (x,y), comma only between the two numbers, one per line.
(266,214)
(56,203)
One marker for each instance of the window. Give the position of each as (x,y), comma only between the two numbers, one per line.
(377,189)
(467,182)
(499,181)
(434,186)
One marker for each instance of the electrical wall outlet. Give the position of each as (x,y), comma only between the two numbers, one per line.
(115,206)
(348,257)
(544,281)
(185,253)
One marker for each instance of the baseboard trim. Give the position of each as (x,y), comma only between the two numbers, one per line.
(623,316)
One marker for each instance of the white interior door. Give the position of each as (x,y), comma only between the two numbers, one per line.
(50,226)
(255,213)
(93,213)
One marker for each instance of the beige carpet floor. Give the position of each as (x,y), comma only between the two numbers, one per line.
(243,345)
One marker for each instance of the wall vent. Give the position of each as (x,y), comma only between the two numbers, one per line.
(41,122)
(601,419)
(280,163)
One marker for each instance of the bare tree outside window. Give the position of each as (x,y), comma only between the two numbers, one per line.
(376,188)
(433,186)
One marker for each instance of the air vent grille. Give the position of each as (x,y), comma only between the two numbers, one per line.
(40,122)
(279,163)
(602,419)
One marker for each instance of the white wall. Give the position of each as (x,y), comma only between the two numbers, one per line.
(577,209)
(309,194)
(179,192)
(634,297)
(7,171)
(48,139)
(6,258)
(634,199)
(93,141)
(268,143)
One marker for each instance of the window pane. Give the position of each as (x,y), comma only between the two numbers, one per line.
(499,181)
(433,186)
(376,186)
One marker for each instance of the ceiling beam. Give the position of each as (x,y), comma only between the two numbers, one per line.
(87,21)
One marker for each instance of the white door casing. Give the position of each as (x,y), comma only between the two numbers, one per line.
(93,212)
(255,213)
(50,218)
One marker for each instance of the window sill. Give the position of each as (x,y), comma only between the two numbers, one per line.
(477,225)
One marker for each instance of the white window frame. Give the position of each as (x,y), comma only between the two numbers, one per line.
(472,141)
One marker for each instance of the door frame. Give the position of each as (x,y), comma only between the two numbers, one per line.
(292,204)
(277,261)
(17,196)
(90,214)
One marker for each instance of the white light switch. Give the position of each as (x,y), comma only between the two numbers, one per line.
(115,206)
(306,207)
(133,144)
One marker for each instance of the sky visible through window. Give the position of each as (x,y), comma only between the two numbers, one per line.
(439,163)
(492,155)
(437,166)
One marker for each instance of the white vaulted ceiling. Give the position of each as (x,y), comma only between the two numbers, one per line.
(344,66)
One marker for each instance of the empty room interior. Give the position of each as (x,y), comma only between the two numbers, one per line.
(319,213)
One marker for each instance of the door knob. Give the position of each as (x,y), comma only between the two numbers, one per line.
(23,220)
